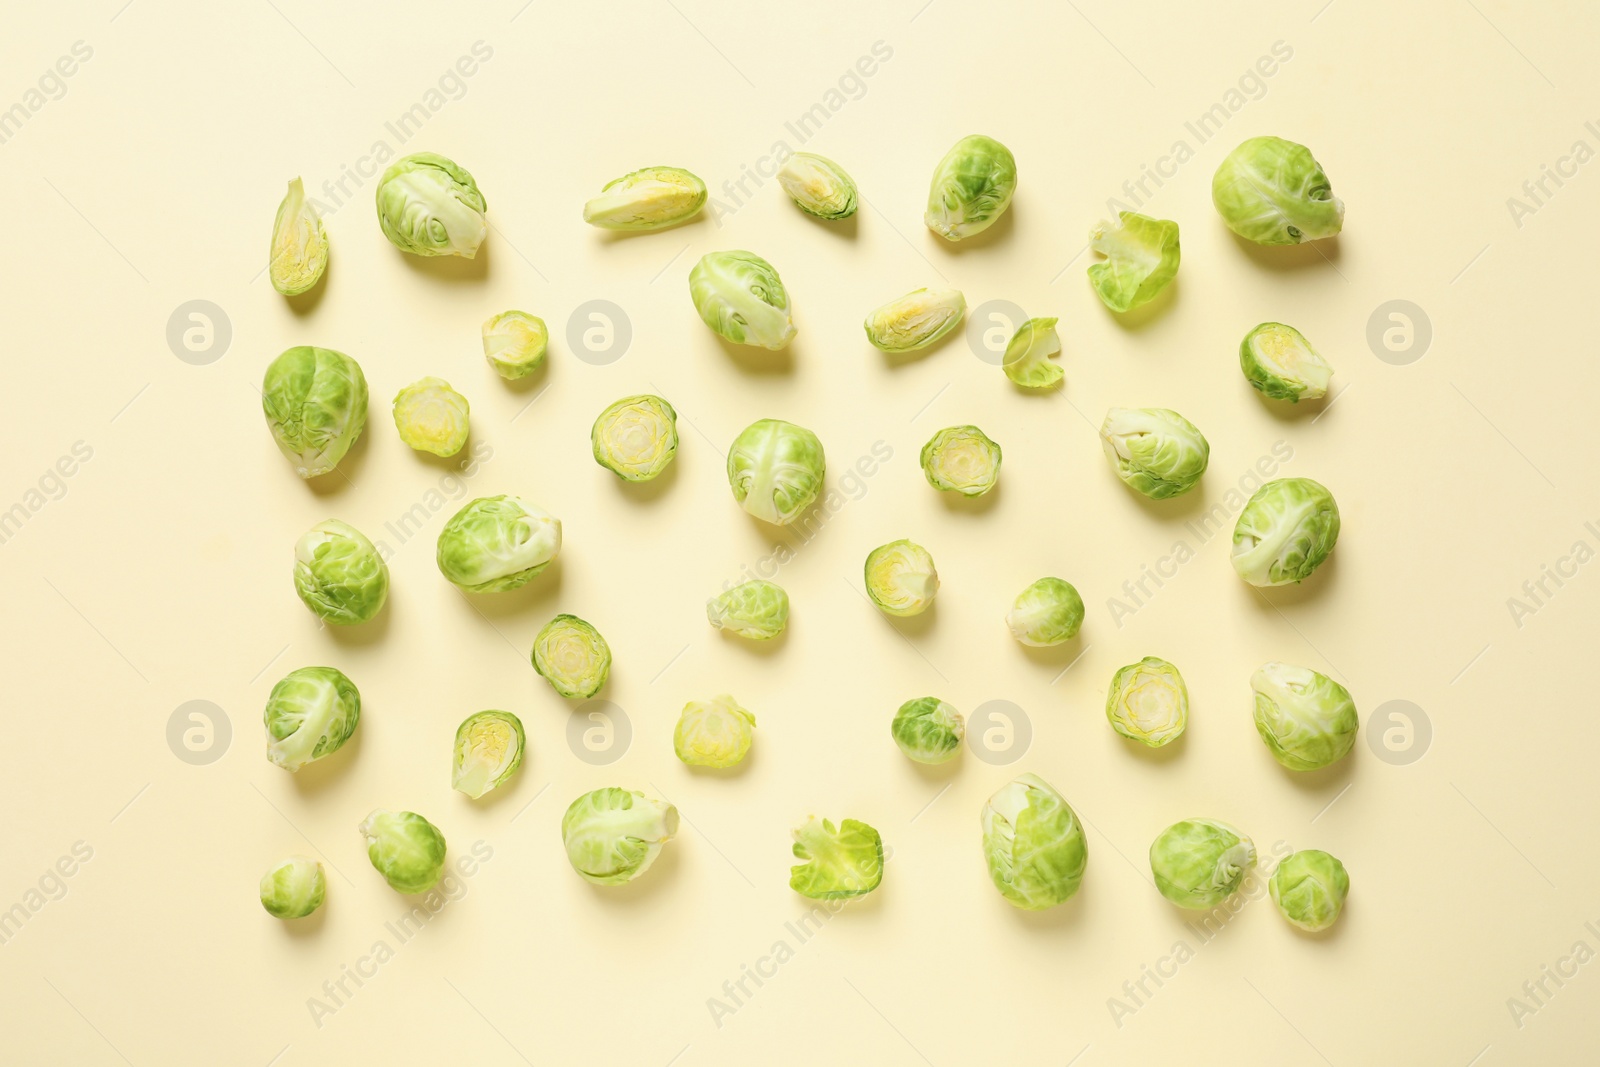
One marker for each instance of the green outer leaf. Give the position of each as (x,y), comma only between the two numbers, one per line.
(1137,690)
(497,543)
(515,343)
(636,437)
(1199,863)
(1034,844)
(840,862)
(1280,362)
(429,206)
(405,848)
(961,459)
(1285,532)
(315,401)
(740,296)
(1048,612)
(818,186)
(488,751)
(1273,192)
(613,835)
(652,198)
(339,574)
(294,888)
(1142,257)
(1309,887)
(756,609)
(901,578)
(310,714)
(299,253)
(1306,719)
(928,730)
(775,469)
(571,635)
(971,188)
(1027,359)
(1155,450)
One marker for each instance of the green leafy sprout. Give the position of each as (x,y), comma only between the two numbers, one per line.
(650,199)
(1279,362)
(961,459)
(315,401)
(310,714)
(714,733)
(612,835)
(928,730)
(1034,844)
(1027,359)
(775,469)
(636,437)
(339,574)
(1148,702)
(757,609)
(405,848)
(1154,451)
(740,296)
(818,186)
(916,320)
(299,244)
(1273,192)
(1309,887)
(488,751)
(1048,612)
(431,417)
(294,888)
(1285,532)
(497,543)
(571,655)
(901,578)
(515,343)
(429,206)
(1199,863)
(971,188)
(1306,719)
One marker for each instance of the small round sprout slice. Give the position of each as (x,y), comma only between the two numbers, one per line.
(636,437)
(310,714)
(431,417)
(1148,702)
(497,543)
(713,733)
(1285,532)
(1279,362)
(1309,887)
(571,655)
(339,574)
(429,206)
(741,298)
(971,188)
(757,609)
(916,320)
(515,343)
(315,401)
(961,459)
(1154,450)
(838,861)
(1199,863)
(488,752)
(1046,613)
(1306,719)
(901,578)
(299,244)
(1273,192)
(775,470)
(613,835)
(653,198)
(1027,359)
(818,186)
(1034,844)
(928,730)
(294,888)
(405,848)
(1141,258)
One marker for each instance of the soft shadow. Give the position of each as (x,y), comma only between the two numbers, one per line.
(528,383)
(999,231)
(316,778)
(452,269)
(364,634)
(1056,657)
(1288,596)
(1290,410)
(305,303)
(1323,781)
(1142,316)
(770,647)
(445,464)
(610,237)
(344,475)
(311,925)
(1167,753)
(912,625)
(516,601)
(845,229)
(1290,257)
(1173,508)
(970,505)
(936,773)
(648,492)
(1067,915)
(752,359)
(664,869)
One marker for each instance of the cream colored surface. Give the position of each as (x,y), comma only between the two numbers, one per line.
(162,573)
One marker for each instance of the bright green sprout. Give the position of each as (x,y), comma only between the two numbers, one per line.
(775,469)
(431,417)
(740,296)
(1309,888)
(1027,358)
(515,343)
(1280,362)
(488,752)
(818,186)
(1034,844)
(1046,613)
(1285,532)
(713,733)
(428,206)
(613,835)
(1272,192)
(310,713)
(1141,258)
(756,609)
(294,888)
(1156,451)
(839,861)
(299,244)
(961,459)
(1199,863)
(636,437)
(1148,702)
(497,543)
(928,730)
(971,188)
(572,656)
(916,320)
(339,574)
(1307,719)
(405,848)
(901,578)
(315,400)
(650,199)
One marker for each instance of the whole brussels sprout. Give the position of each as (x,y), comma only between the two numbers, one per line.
(299,244)
(310,714)
(818,186)
(971,188)
(1309,888)
(636,437)
(1281,363)
(1199,863)
(572,656)
(1034,844)
(497,543)
(1027,358)
(1148,702)
(916,320)
(405,848)
(756,609)
(901,578)
(1046,613)
(515,343)
(315,400)
(1285,532)
(428,206)
(488,752)
(740,296)
(961,459)
(1156,451)
(612,835)
(294,888)
(839,861)
(928,730)
(713,733)
(1306,719)
(775,469)
(431,417)
(1141,258)
(1273,192)
(650,199)
(339,574)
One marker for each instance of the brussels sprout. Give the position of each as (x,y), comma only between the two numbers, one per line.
(916,320)
(755,609)
(1285,532)
(428,206)
(742,299)
(839,861)
(339,574)
(299,244)
(1280,362)
(901,578)
(1306,719)
(650,199)
(971,188)
(514,343)
(1027,358)
(961,459)
(928,730)
(636,437)
(1048,612)
(713,733)
(431,417)
(1309,888)
(1034,844)
(1141,258)
(612,835)
(1199,863)
(296,887)
(1272,192)
(1156,451)
(818,186)
(497,543)
(488,752)
(572,656)
(405,848)
(1148,702)
(776,469)
(315,400)
(310,713)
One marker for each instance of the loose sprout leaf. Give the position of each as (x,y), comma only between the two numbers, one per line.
(1027,360)
(838,861)
(1141,258)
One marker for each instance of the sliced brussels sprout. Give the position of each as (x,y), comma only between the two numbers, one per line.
(431,417)
(1141,258)
(650,199)
(1148,702)
(636,437)
(1156,451)
(1199,863)
(1285,532)
(613,835)
(1046,613)
(572,656)
(299,244)
(405,848)
(776,469)
(1034,843)
(1309,887)
(428,206)
(310,714)
(961,459)
(1280,362)
(818,186)
(928,730)
(1307,719)
(838,861)
(1273,192)
(315,400)
(971,188)
(339,574)
(488,752)
(740,296)
(515,343)
(916,320)
(756,609)
(901,578)
(1027,358)
(497,543)
(294,888)
(713,733)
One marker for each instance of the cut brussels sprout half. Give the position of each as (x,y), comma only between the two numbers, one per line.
(1309,888)
(1273,192)
(837,861)
(1156,451)
(488,752)
(1285,532)
(572,656)
(1027,359)
(405,848)
(1141,258)
(756,609)
(961,459)
(429,206)
(713,733)
(1199,863)
(1046,613)
(636,437)
(901,578)
(315,400)
(339,574)
(310,714)
(818,186)
(1280,362)
(431,417)
(971,188)
(928,730)
(294,888)
(649,199)
(1306,719)
(740,296)
(1034,844)
(916,320)
(1148,702)
(775,469)
(497,543)
(613,835)
(515,343)
(299,244)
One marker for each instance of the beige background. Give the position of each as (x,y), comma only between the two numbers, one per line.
(158,573)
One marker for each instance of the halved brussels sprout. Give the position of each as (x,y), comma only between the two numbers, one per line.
(1046,613)
(755,609)
(315,400)
(405,848)
(1309,888)
(429,206)
(515,343)
(310,713)
(1154,450)
(775,469)
(1148,702)
(1141,258)
(1307,719)
(1285,532)
(1273,192)
(636,437)
(1280,362)
(294,888)
(339,574)
(818,186)
(299,244)
(971,187)
(713,733)
(613,835)
(740,296)
(571,655)
(1199,863)
(649,199)
(1027,358)
(901,578)
(928,730)
(839,861)
(488,752)
(431,417)
(961,459)
(916,320)
(497,543)
(1034,844)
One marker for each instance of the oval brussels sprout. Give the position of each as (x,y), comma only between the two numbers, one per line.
(649,199)
(572,656)
(497,543)
(431,416)
(961,459)
(1034,844)
(636,437)
(315,400)
(755,609)
(294,888)
(1048,612)
(488,752)
(838,861)
(1285,532)
(971,187)
(818,186)
(713,733)
(916,320)
(1307,719)
(299,244)
(428,206)
(1141,258)
(405,848)
(742,299)
(514,343)
(1148,702)
(1272,192)
(776,469)
(1309,888)
(901,578)
(1280,362)
(613,835)
(339,574)
(310,713)
(1199,863)
(928,730)
(1027,358)
(1156,451)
